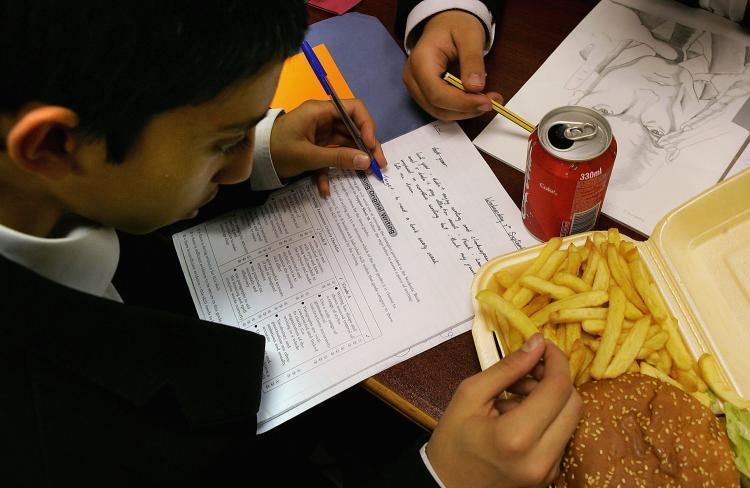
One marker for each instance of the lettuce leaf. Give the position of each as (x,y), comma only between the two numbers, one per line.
(738,430)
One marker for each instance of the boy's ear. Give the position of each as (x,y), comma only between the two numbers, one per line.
(42,141)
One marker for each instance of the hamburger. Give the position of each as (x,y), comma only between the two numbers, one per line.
(636,430)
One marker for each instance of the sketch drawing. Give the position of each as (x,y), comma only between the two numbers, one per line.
(662,90)
(672,81)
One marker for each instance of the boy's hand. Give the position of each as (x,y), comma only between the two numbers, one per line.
(448,37)
(484,441)
(301,140)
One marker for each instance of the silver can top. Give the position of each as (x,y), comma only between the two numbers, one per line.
(574,133)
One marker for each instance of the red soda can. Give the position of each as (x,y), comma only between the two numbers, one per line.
(568,165)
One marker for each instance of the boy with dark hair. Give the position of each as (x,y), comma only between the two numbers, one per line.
(131,116)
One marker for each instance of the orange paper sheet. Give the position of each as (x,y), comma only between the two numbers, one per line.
(299,84)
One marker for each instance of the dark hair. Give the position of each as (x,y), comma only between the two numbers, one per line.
(119,63)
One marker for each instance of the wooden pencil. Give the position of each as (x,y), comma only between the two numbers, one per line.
(501,109)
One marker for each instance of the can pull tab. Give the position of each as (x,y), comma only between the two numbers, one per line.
(578,131)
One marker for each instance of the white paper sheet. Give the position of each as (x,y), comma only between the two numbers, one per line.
(669,78)
(345,287)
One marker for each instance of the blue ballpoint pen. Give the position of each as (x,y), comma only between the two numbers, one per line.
(348,122)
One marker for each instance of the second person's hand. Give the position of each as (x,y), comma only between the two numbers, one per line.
(450,36)
(312,137)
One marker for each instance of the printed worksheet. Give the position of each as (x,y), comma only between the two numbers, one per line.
(347,286)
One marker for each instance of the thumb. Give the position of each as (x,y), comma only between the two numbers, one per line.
(337,157)
(470,45)
(501,375)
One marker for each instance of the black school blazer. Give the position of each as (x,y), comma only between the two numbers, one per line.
(93,392)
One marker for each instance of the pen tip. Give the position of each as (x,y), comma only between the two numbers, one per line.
(376,170)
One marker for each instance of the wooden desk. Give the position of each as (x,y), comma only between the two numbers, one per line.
(526,35)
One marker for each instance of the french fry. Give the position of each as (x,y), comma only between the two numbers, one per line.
(592,344)
(638,272)
(657,341)
(524,294)
(664,364)
(632,312)
(632,255)
(613,236)
(591,264)
(580,300)
(570,281)
(536,304)
(516,318)
(625,247)
(689,381)
(574,260)
(702,386)
(551,246)
(503,327)
(615,316)
(703,398)
(645,353)
(549,333)
(593,326)
(634,367)
(504,279)
(629,349)
(577,357)
(618,274)
(601,278)
(711,374)
(584,252)
(584,376)
(587,360)
(515,339)
(599,238)
(544,287)
(653,358)
(652,331)
(624,266)
(649,370)
(675,346)
(578,314)
(572,334)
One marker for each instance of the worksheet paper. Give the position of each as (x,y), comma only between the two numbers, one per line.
(673,83)
(347,286)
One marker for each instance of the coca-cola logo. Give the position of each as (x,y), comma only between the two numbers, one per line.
(547,188)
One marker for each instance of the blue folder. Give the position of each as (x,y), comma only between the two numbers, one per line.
(371,63)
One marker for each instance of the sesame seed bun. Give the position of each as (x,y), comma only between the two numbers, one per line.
(639,431)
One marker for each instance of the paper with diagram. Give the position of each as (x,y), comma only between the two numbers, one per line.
(338,286)
(673,83)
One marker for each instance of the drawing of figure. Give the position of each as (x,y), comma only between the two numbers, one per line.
(662,86)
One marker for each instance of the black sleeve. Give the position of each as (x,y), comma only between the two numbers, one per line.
(406,6)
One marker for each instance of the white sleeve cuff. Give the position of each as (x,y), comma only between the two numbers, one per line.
(264,175)
(427,8)
(423,453)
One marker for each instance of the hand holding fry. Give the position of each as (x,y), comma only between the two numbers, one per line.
(482,440)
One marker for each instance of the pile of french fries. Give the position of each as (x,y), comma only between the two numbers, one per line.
(599,305)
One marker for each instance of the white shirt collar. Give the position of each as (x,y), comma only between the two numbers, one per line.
(85,259)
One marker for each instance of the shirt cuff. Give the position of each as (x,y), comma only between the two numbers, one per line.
(427,8)
(423,453)
(264,175)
